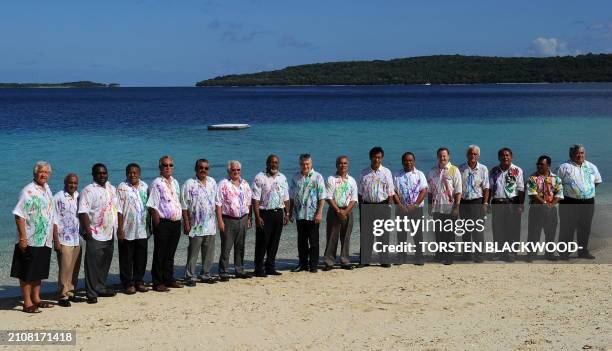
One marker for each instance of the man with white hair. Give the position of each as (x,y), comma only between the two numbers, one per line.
(234,218)
(579,178)
(475,196)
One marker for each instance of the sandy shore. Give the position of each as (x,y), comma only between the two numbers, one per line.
(434,307)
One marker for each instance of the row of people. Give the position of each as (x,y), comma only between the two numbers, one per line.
(133,210)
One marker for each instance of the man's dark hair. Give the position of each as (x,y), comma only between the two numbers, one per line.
(443,148)
(406,154)
(200,160)
(132,165)
(340,158)
(305,157)
(545,157)
(97,165)
(270,157)
(502,150)
(377,150)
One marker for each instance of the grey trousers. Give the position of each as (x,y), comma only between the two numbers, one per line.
(98,257)
(204,245)
(338,229)
(232,236)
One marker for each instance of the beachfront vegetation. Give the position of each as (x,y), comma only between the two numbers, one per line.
(79,84)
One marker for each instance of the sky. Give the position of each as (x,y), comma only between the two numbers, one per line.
(177,43)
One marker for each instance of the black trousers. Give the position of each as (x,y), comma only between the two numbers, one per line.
(165,240)
(308,243)
(368,213)
(506,222)
(132,261)
(267,240)
(541,217)
(472,209)
(417,238)
(576,216)
(444,236)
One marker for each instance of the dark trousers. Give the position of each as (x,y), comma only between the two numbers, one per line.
(472,209)
(98,258)
(444,236)
(368,213)
(417,238)
(232,236)
(132,261)
(165,240)
(337,229)
(308,243)
(267,240)
(541,217)
(576,216)
(506,221)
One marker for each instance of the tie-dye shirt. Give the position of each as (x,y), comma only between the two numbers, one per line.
(342,191)
(408,185)
(234,200)
(506,184)
(132,206)
(164,197)
(200,200)
(376,185)
(270,191)
(444,183)
(579,181)
(474,180)
(306,191)
(67,218)
(100,205)
(546,186)
(35,205)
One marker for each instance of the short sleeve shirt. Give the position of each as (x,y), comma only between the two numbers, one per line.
(342,190)
(408,185)
(474,180)
(376,185)
(66,206)
(506,184)
(270,191)
(35,206)
(200,199)
(444,183)
(546,186)
(164,197)
(132,206)
(100,205)
(306,191)
(579,181)
(234,200)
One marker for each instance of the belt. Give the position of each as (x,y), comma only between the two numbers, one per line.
(571,200)
(271,210)
(232,217)
(168,220)
(376,203)
(512,200)
(477,200)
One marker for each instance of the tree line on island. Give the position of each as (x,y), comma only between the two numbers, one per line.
(79,84)
(440,69)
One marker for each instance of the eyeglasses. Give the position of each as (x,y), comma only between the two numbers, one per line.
(167,165)
(235,170)
(203,168)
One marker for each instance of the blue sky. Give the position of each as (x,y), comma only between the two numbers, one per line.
(176,43)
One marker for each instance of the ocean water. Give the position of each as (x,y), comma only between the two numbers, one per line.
(73,129)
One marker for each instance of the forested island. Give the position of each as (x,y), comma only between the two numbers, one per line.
(440,69)
(79,84)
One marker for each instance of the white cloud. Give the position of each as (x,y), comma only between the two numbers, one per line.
(549,47)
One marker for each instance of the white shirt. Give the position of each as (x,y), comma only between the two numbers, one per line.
(342,190)
(579,181)
(270,191)
(444,183)
(35,205)
(474,180)
(67,218)
(376,185)
(306,191)
(200,199)
(132,206)
(164,197)
(408,185)
(506,184)
(100,205)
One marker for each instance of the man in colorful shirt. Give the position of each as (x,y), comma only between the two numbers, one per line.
(198,199)
(410,191)
(545,190)
(271,207)
(35,220)
(307,193)
(445,190)
(234,199)
(98,220)
(580,178)
(342,195)
(132,231)
(376,192)
(507,197)
(164,206)
(66,239)
(474,196)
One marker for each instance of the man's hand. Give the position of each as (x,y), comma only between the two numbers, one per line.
(23,244)
(286,219)
(484,209)
(121,234)
(249,223)
(221,226)
(57,246)
(318,217)
(455,211)
(260,222)
(186,227)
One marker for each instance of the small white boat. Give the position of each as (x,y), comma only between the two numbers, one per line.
(428,83)
(228,126)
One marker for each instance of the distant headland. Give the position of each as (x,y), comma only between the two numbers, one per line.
(79,84)
(440,69)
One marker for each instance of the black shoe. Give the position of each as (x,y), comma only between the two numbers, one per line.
(586,255)
(313,270)
(327,268)
(260,274)
(419,261)
(273,273)
(208,280)
(529,258)
(190,283)
(299,269)
(510,258)
(348,267)
(448,262)
(242,276)
(76,299)
(385,265)
(224,278)
(551,257)
(92,300)
(361,265)
(564,257)
(63,302)
(107,293)
(478,259)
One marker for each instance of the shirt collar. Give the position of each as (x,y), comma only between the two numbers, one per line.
(447,166)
